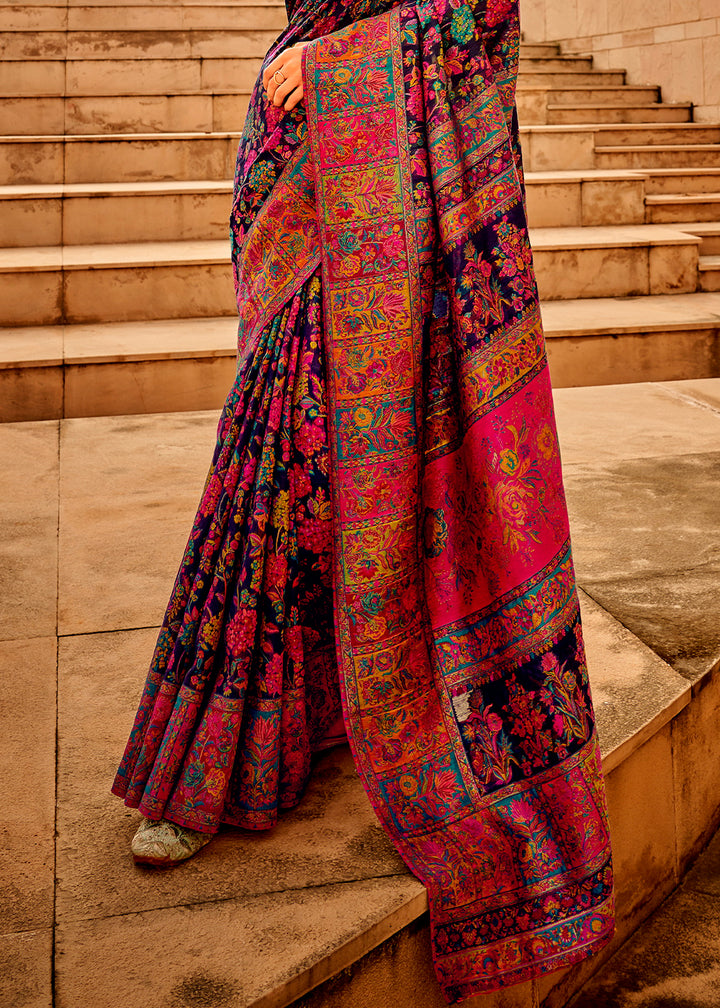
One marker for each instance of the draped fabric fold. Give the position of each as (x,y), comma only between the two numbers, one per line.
(459,644)
(388,459)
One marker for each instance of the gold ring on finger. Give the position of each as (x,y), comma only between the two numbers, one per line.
(279,79)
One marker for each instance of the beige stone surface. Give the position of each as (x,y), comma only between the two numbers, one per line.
(26,969)
(600,424)
(30,393)
(643,830)
(148,158)
(157,386)
(587,273)
(152,291)
(127,218)
(30,298)
(655,576)
(29,221)
(705,391)
(28,546)
(30,161)
(27,785)
(543,152)
(130,488)
(673,270)
(401,973)
(31,116)
(158,76)
(672,960)
(331,837)
(554,204)
(642,314)
(606,202)
(150,340)
(696,766)
(225,954)
(633,357)
(634,692)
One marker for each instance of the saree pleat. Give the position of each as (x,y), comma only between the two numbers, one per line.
(382,546)
(243,683)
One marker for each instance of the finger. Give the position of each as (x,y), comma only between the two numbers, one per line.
(282,92)
(295,98)
(270,70)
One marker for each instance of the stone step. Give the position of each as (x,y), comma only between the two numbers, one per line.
(551,64)
(606,341)
(557,114)
(117,158)
(326,886)
(707,231)
(87,214)
(139,45)
(198,112)
(660,134)
(186,364)
(710,273)
(630,94)
(539,49)
(589,262)
(553,79)
(219,109)
(669,208)
(682,180)
(119,282)
(179,279)
(112,77)
(100,18)
(658,156)
(585,198)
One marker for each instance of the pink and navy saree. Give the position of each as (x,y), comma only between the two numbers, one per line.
(382,545)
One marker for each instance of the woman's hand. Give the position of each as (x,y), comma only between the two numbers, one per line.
(282,79)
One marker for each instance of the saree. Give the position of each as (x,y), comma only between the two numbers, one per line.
(382,546)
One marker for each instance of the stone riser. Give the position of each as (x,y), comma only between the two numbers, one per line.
(625,271)
(134,377)
(651,134)
(123,114)
(626,95)
(684,180)
(650,158)
(112,77)
(558,79)
(586,202)
(710,273)
(551,64)
(102,218)
(674,212)
(140,159)
(70,218)
(107,158)
(113,73)
(136,45)
(189,212)
(32,116)
(600,114)
(126,293)
(143,17)
(178,281)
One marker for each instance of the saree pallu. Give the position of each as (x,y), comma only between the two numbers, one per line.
(380,249)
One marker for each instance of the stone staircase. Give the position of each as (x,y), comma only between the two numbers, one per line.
(118,132)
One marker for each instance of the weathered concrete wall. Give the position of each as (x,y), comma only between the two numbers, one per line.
(674,43)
